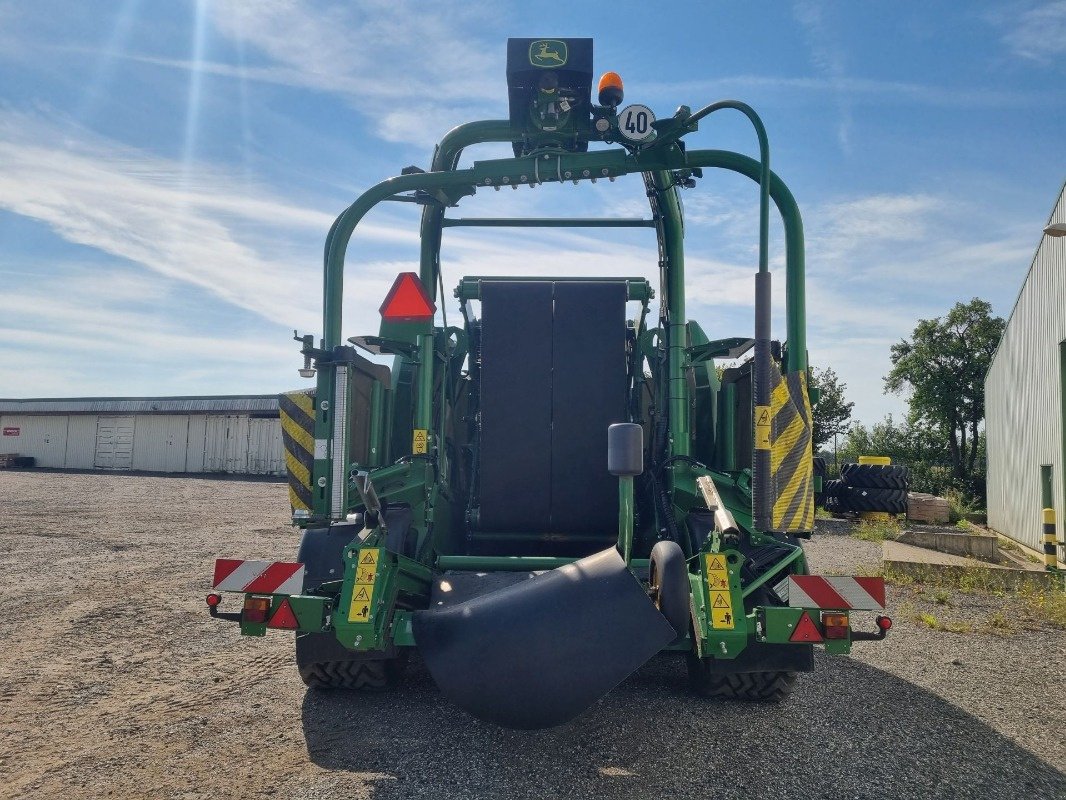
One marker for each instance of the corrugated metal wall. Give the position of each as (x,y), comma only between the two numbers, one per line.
(1023,396)
(151,442)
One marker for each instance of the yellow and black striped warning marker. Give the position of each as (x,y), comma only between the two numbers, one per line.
(1050,554)
(784,428)
(298,433)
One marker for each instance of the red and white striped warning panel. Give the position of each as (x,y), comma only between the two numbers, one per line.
(836,592)
(261,577)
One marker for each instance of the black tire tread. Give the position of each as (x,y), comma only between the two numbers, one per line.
(763,687)
(673,593)
(876,476)
(892,501)
(366,675)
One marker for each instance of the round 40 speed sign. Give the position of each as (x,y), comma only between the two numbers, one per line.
(634,123)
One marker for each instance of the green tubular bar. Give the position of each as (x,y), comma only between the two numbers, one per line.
(723,159)
(513,563)
(774,570)
(656,161)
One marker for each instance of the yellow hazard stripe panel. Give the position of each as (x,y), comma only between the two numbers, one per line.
(297,411)
(791,456)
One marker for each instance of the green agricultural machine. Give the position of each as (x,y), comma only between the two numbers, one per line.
(547,494)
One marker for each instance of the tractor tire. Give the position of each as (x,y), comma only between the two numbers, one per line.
(766,687)
(837,505)
(876,476)
(820,468)
(831,489)
(892,501)
(668,584)
(324,664)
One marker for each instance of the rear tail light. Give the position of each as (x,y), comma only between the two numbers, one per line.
(214,599)
(256,609)
(835,624)
(884,623)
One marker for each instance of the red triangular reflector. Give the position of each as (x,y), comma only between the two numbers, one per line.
(407,300)
(284,617)
(806,630)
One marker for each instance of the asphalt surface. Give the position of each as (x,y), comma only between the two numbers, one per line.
(114,682)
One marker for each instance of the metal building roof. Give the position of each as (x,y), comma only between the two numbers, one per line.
(204,404)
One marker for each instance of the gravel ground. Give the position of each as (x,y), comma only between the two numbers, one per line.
(114,682)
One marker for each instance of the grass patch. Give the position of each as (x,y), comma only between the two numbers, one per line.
(821,513)
(951,626)
(1047,606)
(876,530)
(998,622)
(942,597)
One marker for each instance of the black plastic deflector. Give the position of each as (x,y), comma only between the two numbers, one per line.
(539,652)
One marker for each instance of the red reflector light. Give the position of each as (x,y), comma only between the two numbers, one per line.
(256,609)
(884,623)
(284,617)
(806,630)
(835,625)
(214,599)
(407,301)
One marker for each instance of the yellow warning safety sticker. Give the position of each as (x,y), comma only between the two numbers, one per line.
(420,442)
(366,572)
(722,618)
(717,573)
(362,595)
(762,427)
(720,600)
(368,557)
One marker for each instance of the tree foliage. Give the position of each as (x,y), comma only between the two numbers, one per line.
(832,414)
(914,444)
(942,370)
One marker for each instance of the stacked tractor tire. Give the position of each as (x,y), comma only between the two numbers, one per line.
(868,487)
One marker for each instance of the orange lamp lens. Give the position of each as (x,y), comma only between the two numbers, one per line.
(610,80)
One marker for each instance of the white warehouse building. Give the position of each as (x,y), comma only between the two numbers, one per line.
(232,434)
(1025,398)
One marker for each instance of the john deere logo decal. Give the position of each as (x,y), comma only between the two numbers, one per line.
(547,53)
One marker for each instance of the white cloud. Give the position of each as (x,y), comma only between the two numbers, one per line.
(412,68)
(1039,33)
(204,227)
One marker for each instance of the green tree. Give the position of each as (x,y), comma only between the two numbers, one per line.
(942,370)
(832,414)
(911,443)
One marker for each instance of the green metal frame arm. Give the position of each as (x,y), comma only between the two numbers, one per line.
(345,224)
(795,294)
(446,157)
(764,168)
(774,570)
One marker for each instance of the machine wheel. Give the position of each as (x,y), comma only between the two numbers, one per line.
(767,687)
(876,476)
(892,501)
(324,664)
(668,583)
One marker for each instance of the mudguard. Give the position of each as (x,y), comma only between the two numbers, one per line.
(539,652)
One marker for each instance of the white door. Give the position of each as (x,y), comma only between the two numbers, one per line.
(114,443)
(226,445)
(160,443)
(266,454)
(44,437)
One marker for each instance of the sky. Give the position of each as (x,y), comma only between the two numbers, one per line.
(169,171)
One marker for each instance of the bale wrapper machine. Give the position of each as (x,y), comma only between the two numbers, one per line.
(545,496)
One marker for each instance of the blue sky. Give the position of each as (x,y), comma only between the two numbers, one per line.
(168,171)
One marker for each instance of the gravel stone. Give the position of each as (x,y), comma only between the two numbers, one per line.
(115,682)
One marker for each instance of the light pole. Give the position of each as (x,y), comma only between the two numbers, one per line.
(1055,229)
